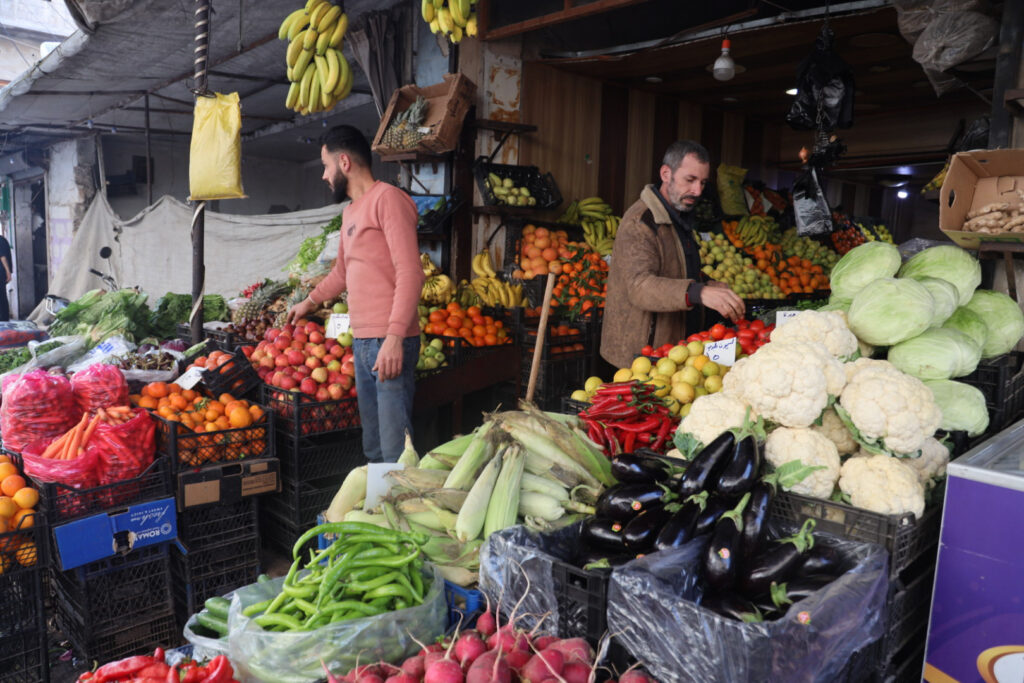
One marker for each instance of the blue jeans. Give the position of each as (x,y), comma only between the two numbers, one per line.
(385,406)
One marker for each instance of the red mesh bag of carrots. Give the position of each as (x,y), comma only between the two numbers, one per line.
(124,445)
(37,407)
(99,386)
(77,473)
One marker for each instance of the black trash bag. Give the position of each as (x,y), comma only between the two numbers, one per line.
(824,83)
(652,611)
(810,210)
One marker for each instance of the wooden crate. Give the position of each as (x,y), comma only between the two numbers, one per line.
(447,105)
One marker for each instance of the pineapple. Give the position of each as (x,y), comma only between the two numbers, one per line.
(259,300)
(393,135)
(414,119)
(300,293)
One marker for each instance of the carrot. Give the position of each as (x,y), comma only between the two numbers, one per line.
(119,410)
(76,439)
(89,430)
(56,446)
(101,414)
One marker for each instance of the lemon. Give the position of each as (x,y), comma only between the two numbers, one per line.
(641,377)
(580,395)
(663,387)
(695,348)
(684,393)
(700,391)
(713,384)
(685,410)
(641,366)
(592,383)
(691,376)
(666,367)
(678,354)
(711,368)
(623,375)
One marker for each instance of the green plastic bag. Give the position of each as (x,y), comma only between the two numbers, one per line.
(215,155)
(730,190)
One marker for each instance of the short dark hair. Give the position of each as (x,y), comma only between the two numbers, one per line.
(351,141)
(678,151)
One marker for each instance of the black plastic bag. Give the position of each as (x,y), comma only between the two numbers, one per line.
(652,611)
(810,209)
(824,99)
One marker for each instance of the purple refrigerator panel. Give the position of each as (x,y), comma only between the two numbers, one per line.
(977,618)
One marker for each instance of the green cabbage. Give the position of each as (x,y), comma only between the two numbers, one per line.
(1004,320)
(937,353)
(861,266)
(970,323)
(888,311)
(963,406)
(946,262)
(945,295)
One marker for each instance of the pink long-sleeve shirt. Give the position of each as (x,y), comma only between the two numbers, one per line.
(378,263)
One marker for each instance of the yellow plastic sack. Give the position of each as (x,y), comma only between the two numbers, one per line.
(215,156)
(730,190)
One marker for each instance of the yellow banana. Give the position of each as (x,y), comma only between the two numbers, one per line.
(471,25)
(321,69)
(444,18)
(293,95)
(288,73)
(282,32)
(317,14)
(339,31)
(438,4)
(322,43)
(299,70)
(311,4)
(427,10)
(314,89)
(455,8)
(345,79)
(292,55)
(297,26)
(325,25)
(333,71)
(456,33)
(309,38)
(435,26)
(306,86)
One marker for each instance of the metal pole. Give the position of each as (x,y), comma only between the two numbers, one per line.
(149,160)
(202,41)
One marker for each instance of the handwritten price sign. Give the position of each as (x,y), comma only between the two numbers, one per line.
(783,317)
(338,324)
(722,352)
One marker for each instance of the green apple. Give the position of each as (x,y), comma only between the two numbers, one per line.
(340,307)
(345,339)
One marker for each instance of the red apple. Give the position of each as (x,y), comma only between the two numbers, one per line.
(247,351)
(295,357)
(281,361)
(301,371)
(348,368)
(334,377)
(268,362)
(298,346)
(273,351)
(271,334)
(347,382)
(288,329)
(316,336)
(319,350)
(352,392)
(319,374)
(283,341)
(312,362)
(337,350)
(298,325)
(257,355)
(335,391)
(300,336)
(334,365)
(308,386)
(287,382)
(322,394)
(313,326)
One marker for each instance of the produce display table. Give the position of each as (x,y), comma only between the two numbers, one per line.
(483,370)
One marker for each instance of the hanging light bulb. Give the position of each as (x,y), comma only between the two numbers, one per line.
(724,68)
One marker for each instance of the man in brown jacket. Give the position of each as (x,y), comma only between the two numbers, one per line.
(654,290)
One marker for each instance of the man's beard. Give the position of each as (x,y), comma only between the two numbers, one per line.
(678,205)
(339,186)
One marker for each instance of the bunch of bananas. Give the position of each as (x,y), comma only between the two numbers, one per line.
(757,230)
(438,290)
(319,73)
(599,225)
(489,289)
(454,18)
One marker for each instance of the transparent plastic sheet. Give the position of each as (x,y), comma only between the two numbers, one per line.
(99,386)
(652,613)
(264,656)
(37,406)
(105,350)
(730,190)
(916,245)
(824,99)
(954,38)
(123,451)
(71,348)
(810,209)
(148,376)
(913,16)
(204,647)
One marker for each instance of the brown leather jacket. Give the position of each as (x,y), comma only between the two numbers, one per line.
(647,283)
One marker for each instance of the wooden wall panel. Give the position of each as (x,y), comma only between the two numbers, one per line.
(639,143)
(732,140)
(566,109)
(689,121)
(611,174)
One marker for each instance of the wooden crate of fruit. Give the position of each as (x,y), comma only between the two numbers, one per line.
(439,109)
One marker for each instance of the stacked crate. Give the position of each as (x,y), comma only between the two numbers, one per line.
(23,623)
(565,361)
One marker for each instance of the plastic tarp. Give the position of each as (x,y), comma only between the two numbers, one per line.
(153,250)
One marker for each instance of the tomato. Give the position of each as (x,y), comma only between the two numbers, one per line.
(647,351)
(717,331)
(746,335)
(757,325)
(694,337)
(665,348)
(729,334)
(742,324)
(705,336)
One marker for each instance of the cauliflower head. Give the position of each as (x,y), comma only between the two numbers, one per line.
(787,444)
(883,484)
(865,349)
(931,464)
(787,382)
(827,328)
(867,364)
(892,408)
(713,414)
(834,430)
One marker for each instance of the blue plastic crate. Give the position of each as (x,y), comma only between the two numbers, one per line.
(465,602)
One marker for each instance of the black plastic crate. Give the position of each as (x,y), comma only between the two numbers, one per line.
(573,407)
(906,666)
(541,186)
(186,449)
(190,592)
(224,340)
(21,601)
(236,376)
(532,287)
(299,503)
(206,525)
(213,560)
(136,636)
(60,503)
(311,458)
(582,597)
(1001,380)
(23,657)
(280,533)
(555,380)
(297,414)
(908,610)
(563,339)
(905,537)
(107,594)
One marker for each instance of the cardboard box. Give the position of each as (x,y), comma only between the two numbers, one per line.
(974,180)
(105,535)
(447,105)
(228,482)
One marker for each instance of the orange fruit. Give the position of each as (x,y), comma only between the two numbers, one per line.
(256,412)
(240,417)
(178,402)
(7,469)
(147,402)
(26,554)
(223,422)
(173,388)
(26,497)
(23,519)
(11,484)
(190,394)
(5,563)
(3,525)
(7,507)
(157,389)
(226,398)
(4,458)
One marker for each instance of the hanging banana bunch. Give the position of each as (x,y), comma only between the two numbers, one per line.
(454,18)
(319,73)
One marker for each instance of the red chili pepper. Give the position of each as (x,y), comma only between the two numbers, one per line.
(629,443)
(121,669)
(666,426)
(87,676)
(193,673)
(613,443)
(154,670)
(146,679)
(616,412)
(617,387)
(173,675)
(219,670)
(158,654)
(645,425)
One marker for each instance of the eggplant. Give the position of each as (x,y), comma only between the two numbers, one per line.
(681,526)
(755,520)
(801,588)
(635,468)
(707,465)
(598,532)
(716,506)
(722,559)
(740,472)
(821,559)
(779,563)
(731,606)
(641,532)
(623,502)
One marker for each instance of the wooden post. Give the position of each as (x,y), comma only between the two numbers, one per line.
(202,41)
(149,160)
(542,331)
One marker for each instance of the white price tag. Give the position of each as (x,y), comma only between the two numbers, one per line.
(190,378)
(705,236)
(377,485)
(722,352)
(783,317)
(338,324)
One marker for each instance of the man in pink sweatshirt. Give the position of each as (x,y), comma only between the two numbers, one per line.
(379,265)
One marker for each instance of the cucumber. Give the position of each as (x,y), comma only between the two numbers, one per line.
(218,607)
(218,626)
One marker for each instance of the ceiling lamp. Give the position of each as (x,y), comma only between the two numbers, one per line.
(724,68)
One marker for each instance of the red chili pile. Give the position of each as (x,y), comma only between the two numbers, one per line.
(153,669)
(624,416)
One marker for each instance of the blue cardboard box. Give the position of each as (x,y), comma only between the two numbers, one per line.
(104,535)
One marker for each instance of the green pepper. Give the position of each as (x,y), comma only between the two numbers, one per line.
(364,586)
(365,609)
(396,561)
(282,620)
(305,606)
(301,591)
(391,590)
(346,528)
(256,608)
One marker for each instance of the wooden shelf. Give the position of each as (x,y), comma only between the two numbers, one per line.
(414,157)
(504,126)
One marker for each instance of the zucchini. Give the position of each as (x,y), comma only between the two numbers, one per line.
(218,626)
(218,607)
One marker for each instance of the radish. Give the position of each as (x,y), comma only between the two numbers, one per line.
(370,678)
(414,666)
(517,659)
(543,642)
(576,672)
(542,666)
(485,623)
(402,678)
(635,676)
(490,667)
(468,647)
(574,649)
(331,678)
(444,671)
(432,657)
